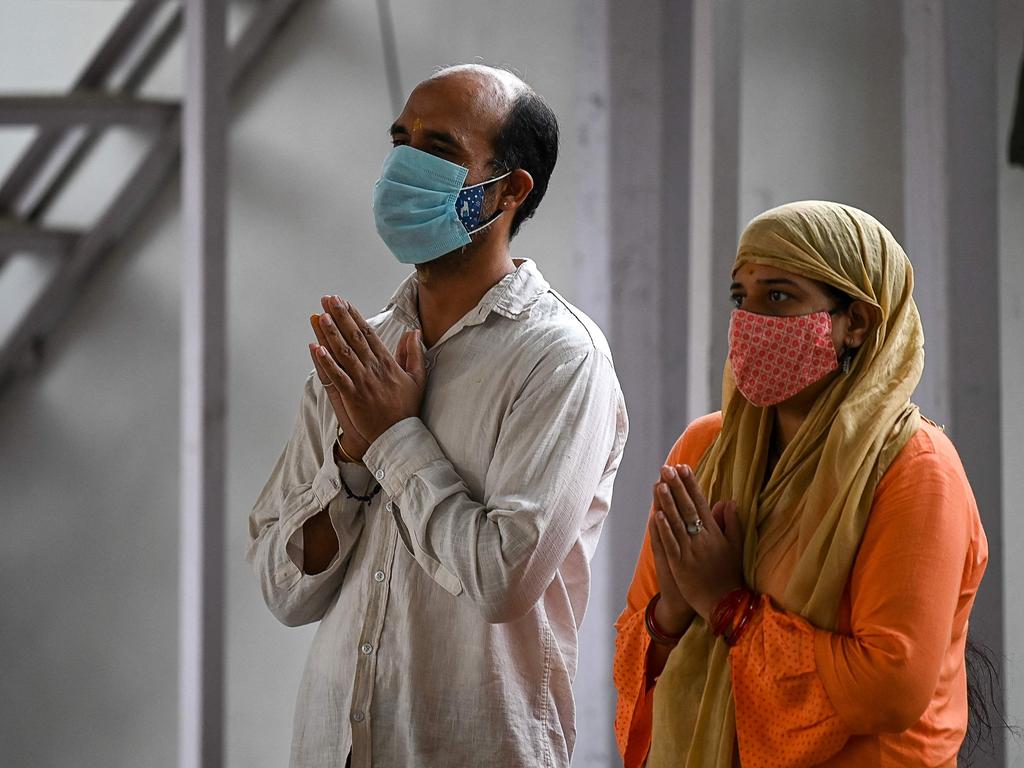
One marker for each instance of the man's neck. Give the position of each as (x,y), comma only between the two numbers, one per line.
(448,291)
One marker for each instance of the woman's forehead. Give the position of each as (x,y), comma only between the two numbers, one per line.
(751,270)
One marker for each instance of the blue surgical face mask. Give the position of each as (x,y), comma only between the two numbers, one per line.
(421,209)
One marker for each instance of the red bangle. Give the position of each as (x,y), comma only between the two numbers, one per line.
(725,610)
(733,637)
(657,634)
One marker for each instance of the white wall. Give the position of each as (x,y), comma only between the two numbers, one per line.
(821,107)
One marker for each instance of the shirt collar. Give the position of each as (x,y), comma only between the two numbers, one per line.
(510,297)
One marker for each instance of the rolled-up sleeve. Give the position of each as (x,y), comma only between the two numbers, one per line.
(304,481)
(502,551)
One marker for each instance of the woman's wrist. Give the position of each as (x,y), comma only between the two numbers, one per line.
(673,620)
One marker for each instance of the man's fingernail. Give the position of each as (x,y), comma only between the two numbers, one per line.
(671,473)
(685,471)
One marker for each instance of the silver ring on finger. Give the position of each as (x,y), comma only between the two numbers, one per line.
(696,527)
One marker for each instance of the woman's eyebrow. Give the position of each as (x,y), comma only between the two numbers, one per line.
(778,281)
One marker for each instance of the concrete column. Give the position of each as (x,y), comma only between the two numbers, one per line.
(951,209)
(203,388)
(714,182)
(973,309)
(638,272)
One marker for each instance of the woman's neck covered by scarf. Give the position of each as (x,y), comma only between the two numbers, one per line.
(819,494)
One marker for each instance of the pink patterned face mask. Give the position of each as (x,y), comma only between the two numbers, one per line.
(773,357)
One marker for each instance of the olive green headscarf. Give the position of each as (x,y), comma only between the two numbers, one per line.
(822,487)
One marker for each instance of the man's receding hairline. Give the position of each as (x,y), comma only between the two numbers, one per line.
(511,84)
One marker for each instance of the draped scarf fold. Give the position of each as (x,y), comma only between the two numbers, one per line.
(821,489)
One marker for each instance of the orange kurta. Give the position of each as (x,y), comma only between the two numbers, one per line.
(888,688)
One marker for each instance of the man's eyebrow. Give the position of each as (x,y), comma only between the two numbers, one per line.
(442,137)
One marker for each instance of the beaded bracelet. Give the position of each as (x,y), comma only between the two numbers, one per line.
(658,635)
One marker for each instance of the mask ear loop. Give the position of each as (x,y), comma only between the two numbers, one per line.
(488,181)
(497,214)
(494,218)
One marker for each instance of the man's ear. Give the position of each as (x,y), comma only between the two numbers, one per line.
(861,322)
(516,187)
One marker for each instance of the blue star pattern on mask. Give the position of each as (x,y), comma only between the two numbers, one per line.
(468,206)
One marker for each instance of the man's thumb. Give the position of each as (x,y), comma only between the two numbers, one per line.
(412,361)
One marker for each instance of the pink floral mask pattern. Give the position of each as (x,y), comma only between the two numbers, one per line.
(773,357)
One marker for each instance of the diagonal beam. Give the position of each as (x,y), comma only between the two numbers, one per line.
(15,237)
(49,308)
(94,76)
(91,109)
(39,203)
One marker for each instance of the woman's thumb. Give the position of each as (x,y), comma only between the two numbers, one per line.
(733,527)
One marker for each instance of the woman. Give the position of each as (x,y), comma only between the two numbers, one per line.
(814,550)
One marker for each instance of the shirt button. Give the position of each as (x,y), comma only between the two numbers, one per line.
(389,507)
(357,716)
(366,648)
(334,483)
(379,474)
(379,576)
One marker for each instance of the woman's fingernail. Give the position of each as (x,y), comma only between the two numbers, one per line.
(325,318)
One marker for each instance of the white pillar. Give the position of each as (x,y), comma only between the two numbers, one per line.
(201,653)
(951,205)
(637,118)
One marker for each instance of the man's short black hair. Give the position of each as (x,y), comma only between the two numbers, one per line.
(528,139)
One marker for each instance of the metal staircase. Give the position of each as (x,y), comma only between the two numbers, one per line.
(69,125)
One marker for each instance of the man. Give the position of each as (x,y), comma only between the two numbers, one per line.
(444,489)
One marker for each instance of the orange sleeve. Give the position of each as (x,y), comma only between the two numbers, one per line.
(801,691)
(783,713)
(634,707)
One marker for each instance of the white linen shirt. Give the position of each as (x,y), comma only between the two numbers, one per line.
(449,617)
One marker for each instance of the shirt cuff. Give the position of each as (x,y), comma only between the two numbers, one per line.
(401,452)
(325,487)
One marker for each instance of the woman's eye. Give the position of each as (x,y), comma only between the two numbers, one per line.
(776,296)
(737,300)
